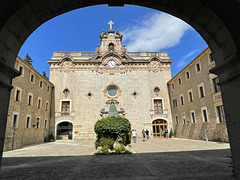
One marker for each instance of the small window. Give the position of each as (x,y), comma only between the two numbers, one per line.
(157,106)
(220,114)
(65,107)
(15,120)
(21,70)
(38,123)
(190,96)
(182,101)
(201,92)
(48,88)
(111,47)
(32,78)
(179,81)
(175,104)
(46,106)
(173,86)
(187,75)
(156,90)
(28,122)
(66,92)
(193,119)
(39,105)
(198,67)
(30,99)
(45,124)
(40,84)
(204,114)
(18,92)
(176,120)
(216,87)
(112,91)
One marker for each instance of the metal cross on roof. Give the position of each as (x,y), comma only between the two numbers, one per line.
(111,24)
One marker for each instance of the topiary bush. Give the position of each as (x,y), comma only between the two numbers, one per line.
(109,130)
(112,127)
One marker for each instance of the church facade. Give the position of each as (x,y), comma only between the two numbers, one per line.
(86,83)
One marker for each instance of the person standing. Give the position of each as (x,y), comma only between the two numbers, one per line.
(163,132)
(166,133)
(134,135)
(147,134)
(143,133)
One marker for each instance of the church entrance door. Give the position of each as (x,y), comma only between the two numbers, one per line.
(64,131)
(158,126)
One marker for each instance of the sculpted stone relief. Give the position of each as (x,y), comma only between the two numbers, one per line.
(67,65)
(104,111)
(155,66)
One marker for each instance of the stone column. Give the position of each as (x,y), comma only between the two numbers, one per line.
(229,77)
(6,75)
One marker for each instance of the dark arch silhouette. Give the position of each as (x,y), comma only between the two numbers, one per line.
(217,21)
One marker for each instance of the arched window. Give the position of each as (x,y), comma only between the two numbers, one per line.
(111,47)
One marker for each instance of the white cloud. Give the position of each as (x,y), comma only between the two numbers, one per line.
(185,60)
(154,33)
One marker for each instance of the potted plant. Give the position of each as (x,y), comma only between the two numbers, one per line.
(171,134)
(51,137)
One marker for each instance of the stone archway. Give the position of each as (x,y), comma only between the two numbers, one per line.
(216,21)
(64,131)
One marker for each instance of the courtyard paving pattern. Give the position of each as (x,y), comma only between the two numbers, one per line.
(154,159)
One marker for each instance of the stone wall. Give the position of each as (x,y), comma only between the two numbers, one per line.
(21,135)
(216,131)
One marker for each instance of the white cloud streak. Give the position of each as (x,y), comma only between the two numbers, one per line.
(154,33)
(185,60)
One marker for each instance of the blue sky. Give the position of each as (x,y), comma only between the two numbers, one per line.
(143,29)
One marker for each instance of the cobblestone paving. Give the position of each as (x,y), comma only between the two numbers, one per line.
(154,159)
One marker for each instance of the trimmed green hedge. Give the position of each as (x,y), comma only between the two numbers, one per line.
(108,130)
(117,125)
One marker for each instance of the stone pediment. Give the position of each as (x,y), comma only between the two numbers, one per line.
(119,59)
(115,56)
(155,58)
(155,64)
(67,64)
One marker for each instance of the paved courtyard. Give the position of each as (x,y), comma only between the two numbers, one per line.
(154,159)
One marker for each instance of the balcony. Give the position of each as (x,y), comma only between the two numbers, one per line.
(159,112)
(65,113)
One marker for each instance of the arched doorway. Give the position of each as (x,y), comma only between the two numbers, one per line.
(216,21)
(159,125)
(64,131)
